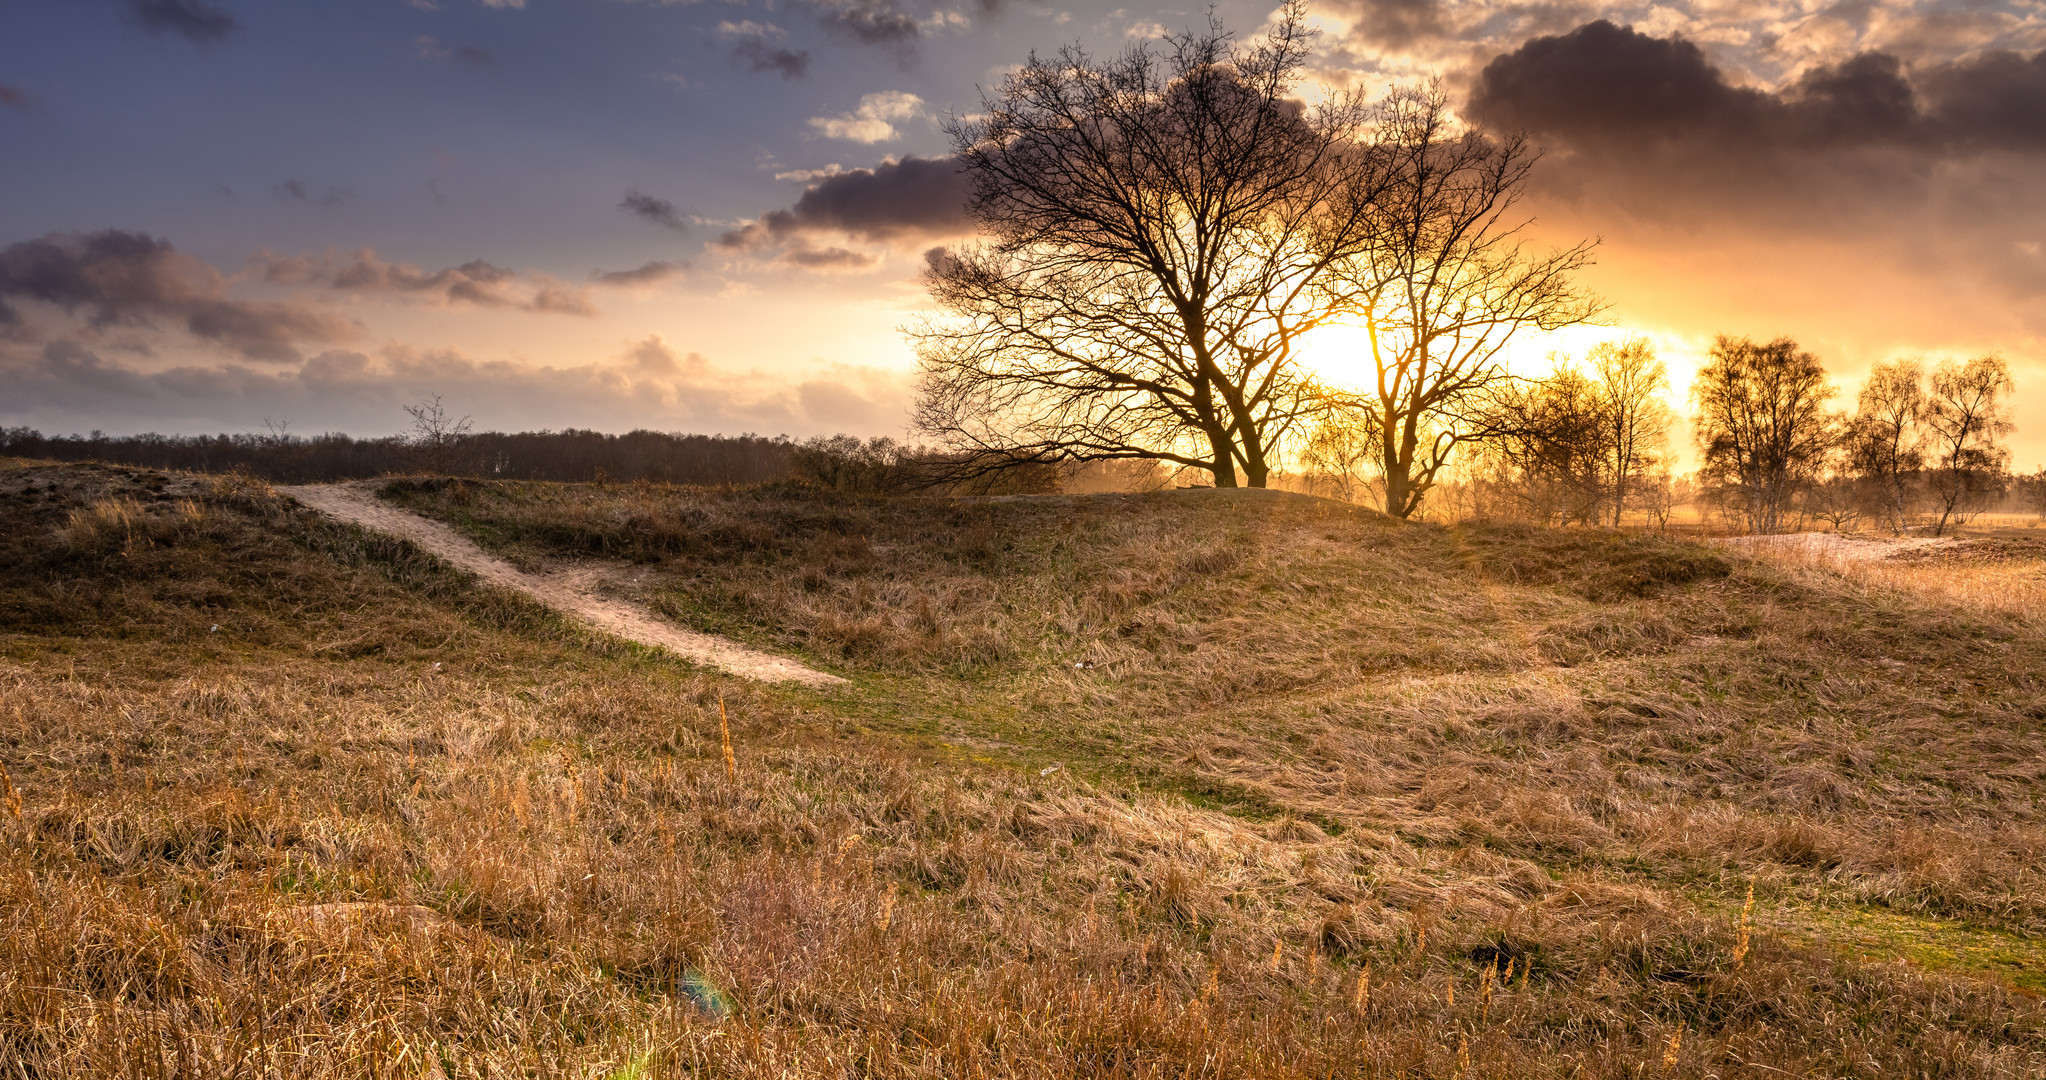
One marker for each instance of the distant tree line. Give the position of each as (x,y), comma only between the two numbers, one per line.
(1923,446)
(532,455)
(443,444)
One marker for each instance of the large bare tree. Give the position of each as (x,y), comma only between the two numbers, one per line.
(1763,427)
(1160,228)
(1444,279)
(1965,422)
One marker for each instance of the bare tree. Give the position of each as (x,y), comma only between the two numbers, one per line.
(1762,426)
(1965,419)
(1444,282)
(1661,494)
(1161,226)
(1838,501)
(1547,454)
(1634,420)
(435,433)
(1579,445)
(2031,492)
(1883,438)
(1338,453)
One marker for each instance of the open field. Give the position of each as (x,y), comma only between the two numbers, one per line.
(1189,784)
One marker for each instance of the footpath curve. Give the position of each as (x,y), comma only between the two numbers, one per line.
(570,593)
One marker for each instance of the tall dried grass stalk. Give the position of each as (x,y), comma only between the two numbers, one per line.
(725,741)
(1746,930)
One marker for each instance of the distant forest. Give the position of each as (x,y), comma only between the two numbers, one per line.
(530,455)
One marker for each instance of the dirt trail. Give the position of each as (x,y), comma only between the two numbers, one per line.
(573,592)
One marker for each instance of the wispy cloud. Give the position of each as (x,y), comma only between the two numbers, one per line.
(651,273)
(477,282)
(754,46)
(427,47)
(874,121)
(194,20)
(652,209)
(296,191)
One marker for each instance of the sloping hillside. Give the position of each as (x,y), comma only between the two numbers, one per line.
(1200,783)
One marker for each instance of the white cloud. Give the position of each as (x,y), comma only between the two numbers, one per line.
(874,121)
(811,176)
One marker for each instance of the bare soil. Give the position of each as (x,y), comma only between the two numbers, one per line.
(573,592)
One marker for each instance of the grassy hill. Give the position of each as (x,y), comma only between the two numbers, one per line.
(1190,784)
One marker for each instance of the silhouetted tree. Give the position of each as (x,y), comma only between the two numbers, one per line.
(435,432)
(1338,453)
(1762,426)
(1579,445)
(1883,438)
(1547,455)
(1442,282)
(1628,381)
(1161,226)
(1965,419)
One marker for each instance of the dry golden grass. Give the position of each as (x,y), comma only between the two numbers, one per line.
(2000,571)
(383,823)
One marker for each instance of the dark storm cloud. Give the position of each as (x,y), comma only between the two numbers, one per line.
(646,274)
(908,200)
(194,19)
(656,210)
(1931,172)
(476,282)
(128,279)
(1604,85)
(14,97)
(1996,98)
(758,54)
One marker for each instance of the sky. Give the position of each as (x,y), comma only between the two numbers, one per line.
(711,216)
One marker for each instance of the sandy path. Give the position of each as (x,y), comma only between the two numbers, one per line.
(573,592)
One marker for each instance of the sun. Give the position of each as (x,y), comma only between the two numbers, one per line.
(1339,354)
